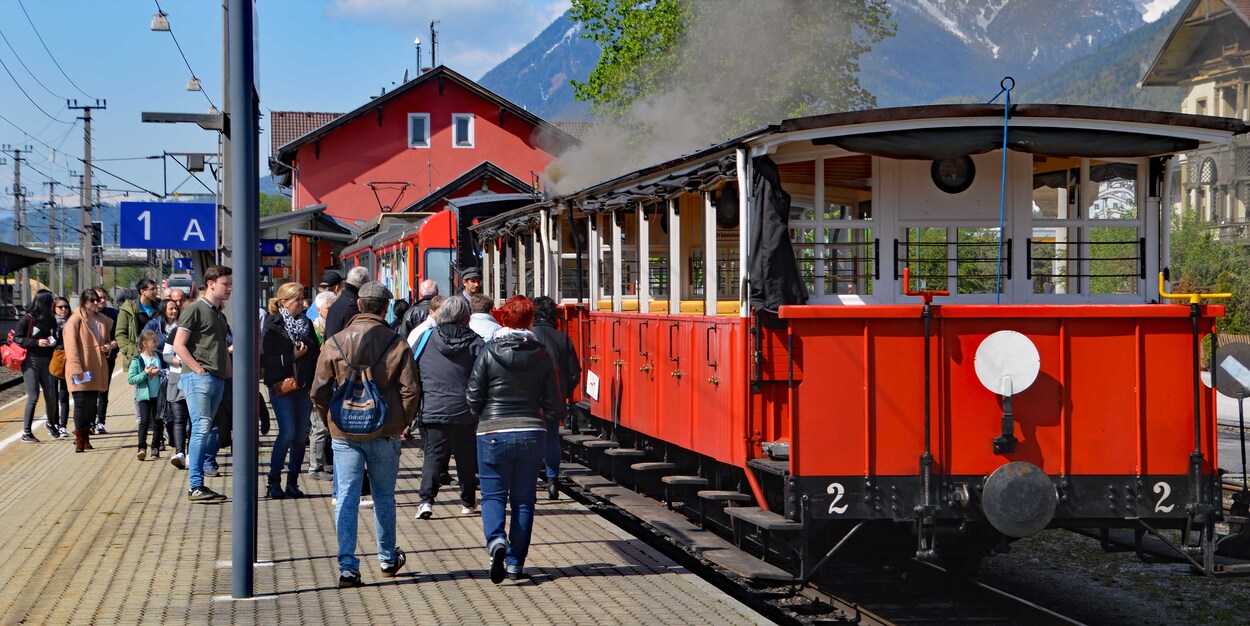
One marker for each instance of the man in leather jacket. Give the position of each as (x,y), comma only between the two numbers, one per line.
(368,339)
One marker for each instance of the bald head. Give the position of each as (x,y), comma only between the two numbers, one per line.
(428,288)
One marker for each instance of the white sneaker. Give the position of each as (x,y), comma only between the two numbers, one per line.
(468,510)
(178,460)
(366,503)
(424,510)
(334,501)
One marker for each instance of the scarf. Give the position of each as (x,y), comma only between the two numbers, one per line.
(298,328)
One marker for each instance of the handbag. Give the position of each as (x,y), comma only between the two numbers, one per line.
(57,366)
(287,385)
(13,355)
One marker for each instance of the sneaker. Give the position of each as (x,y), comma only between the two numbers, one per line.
(350,579)
(393,568)
(425,511)
(498,550)
(334,501)
(64,431)
(54,431)
(468,510)
(211,470)
(29,438)
(155,453)
(204,494)
(517,575)
(99,429)
(179,461)
(366,503)
(320,475)
(142,455)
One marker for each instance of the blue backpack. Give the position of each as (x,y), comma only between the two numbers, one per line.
(357,407)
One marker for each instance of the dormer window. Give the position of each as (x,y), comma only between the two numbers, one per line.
(462,130)
(418,130)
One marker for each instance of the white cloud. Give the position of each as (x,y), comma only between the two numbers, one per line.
(1154,9)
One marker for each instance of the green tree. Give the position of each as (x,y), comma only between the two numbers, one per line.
(747,62)
(273,204)
(1203,263)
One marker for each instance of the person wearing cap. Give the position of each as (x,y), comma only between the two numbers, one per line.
(471,278)
(332,282)
(366,339)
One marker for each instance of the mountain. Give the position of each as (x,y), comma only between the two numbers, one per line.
(944,50)
(1109,76)
(537,76)
(951,48)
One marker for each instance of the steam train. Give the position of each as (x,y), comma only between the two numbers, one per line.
(929,330)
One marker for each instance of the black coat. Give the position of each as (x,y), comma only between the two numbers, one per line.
(277,355)
(444,366)
(561,349)
(343,310)
(28,332)
(414,317)
(514,382)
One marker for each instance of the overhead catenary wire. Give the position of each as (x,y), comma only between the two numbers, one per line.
(32,74)
(184,57)
(32,100)
(45,49)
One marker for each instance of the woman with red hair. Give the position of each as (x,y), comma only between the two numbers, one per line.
(514,393)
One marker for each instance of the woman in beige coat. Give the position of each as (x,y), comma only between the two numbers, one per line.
(87,347)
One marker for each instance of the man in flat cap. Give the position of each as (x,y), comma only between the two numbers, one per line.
(331,281)
(368,341)
(471,278)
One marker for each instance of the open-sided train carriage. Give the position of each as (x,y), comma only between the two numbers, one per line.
(754,323)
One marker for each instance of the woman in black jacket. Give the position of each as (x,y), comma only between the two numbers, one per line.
(514,393)
(39,334)
(288,351)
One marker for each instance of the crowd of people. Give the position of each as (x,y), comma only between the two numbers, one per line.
(350,374)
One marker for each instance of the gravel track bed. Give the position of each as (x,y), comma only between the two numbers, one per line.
(1070,574)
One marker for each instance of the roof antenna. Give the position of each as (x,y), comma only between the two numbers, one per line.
(433,43)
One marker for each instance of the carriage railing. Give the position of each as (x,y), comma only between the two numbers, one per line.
(1106,259)
(846,267)
(976,265)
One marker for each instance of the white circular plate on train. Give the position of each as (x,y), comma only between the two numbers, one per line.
(1008,355)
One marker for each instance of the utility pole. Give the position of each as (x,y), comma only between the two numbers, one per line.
(97,212)
(53,244)
(433,45)
(20,286)
(84,202)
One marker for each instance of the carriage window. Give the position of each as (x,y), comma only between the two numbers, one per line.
(831,227)
(657,247)
(569,259)
(1086,238)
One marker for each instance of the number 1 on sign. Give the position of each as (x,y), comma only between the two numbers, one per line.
(146,218)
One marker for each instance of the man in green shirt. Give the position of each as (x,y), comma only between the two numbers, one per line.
(200,344)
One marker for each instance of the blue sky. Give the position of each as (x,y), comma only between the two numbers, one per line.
(314,55)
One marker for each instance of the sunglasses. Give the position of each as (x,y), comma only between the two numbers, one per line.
(62,306)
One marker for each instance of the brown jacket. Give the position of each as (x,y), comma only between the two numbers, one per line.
(363,340)
(82,351)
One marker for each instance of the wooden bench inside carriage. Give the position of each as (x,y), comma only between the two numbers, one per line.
(688,307)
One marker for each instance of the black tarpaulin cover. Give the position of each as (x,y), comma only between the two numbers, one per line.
(774,273)
(946,143)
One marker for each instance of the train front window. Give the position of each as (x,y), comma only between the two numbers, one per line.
(438,268)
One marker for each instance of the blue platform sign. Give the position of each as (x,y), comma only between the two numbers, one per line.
(169,225)
(183,264)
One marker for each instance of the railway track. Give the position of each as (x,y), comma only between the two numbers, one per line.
(849,592)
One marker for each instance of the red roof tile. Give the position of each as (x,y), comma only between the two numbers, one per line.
(581,129)
(287,126)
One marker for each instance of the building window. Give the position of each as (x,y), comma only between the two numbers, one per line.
(418,130)
(462,130)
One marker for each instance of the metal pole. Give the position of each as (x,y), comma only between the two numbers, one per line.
(244,130)
(18,218)
(1241,423)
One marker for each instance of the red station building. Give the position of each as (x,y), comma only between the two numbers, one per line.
(437,137)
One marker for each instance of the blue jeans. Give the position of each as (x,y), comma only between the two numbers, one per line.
(292,414)
(507,464)
(552,457)
(204,392)
(381,457)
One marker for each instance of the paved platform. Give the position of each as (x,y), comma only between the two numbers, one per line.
(102,538)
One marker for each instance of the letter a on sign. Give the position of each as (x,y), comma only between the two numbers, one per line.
(193,229)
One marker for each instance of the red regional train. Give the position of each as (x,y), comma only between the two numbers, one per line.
(933,330)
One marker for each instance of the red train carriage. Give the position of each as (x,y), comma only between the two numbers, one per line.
(402,249)
(755,318)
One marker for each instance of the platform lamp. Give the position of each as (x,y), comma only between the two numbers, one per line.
(160,22)
(416,41)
